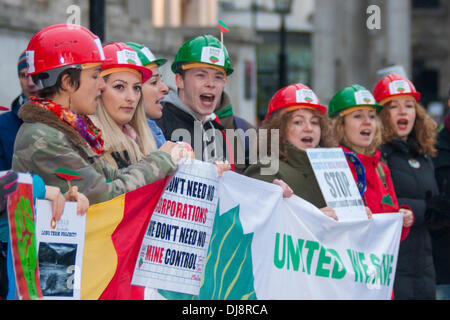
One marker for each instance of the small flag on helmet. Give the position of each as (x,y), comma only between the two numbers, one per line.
(223,29)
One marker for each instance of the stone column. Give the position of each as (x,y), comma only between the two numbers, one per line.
(323,50)
(354,43)
(398,33)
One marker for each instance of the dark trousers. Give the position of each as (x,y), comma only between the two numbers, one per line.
(3,271)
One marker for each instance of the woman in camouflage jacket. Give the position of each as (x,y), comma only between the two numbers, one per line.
(57,134)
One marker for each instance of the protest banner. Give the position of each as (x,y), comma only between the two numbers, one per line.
(337,183)
(21,220)
(176,243)
(266,247)
(60,251)
(262,246)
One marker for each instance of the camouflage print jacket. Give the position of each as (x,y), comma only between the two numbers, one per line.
(45,144)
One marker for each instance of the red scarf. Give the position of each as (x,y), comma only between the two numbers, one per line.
(80,123)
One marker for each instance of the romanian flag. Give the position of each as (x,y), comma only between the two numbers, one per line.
(114,233)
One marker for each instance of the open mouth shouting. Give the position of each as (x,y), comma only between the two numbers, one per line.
(402,124)
(158,103)
(308,141)
(366,134)
(207,99)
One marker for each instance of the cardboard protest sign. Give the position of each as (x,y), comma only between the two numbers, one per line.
(337,183)
(176,243)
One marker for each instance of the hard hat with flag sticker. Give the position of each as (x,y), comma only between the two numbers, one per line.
(204,50)
(59,47)
(393,86)
(146,56)
(295,96)
(120,57)
(350,99)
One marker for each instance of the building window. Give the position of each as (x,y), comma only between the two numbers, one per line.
(298,65)
(425,4)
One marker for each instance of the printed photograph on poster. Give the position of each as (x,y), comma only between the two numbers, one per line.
(176,243)
(60,251)
(56,261)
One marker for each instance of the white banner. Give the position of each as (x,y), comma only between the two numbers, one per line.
(299,253)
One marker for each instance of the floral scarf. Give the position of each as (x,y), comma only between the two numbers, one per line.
(80,123)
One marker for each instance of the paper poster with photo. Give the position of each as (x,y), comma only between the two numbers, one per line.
(176,243)
(60,247)
(337,183)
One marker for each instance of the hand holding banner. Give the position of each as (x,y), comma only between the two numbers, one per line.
(176,243)
(337,184)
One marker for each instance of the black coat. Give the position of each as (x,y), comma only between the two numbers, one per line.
(413,176)
(9,125)
(441,234)
(206,138)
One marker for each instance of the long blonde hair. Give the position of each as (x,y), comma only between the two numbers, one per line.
(117,141)
(338,125)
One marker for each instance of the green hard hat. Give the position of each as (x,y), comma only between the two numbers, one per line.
(145,54)
(203,49)
(349,97)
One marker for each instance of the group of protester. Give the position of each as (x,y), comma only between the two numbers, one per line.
(105,113)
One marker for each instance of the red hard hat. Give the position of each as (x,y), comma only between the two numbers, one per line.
(393,86)
(62,45)
(120,55)
(295,95)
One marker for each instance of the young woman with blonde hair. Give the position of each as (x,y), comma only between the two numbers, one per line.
(153,90)
(121,111)
(357,129)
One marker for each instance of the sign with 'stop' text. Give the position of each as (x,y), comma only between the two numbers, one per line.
(337,183)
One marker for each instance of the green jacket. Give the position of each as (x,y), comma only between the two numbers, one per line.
(45,144)
(297,173)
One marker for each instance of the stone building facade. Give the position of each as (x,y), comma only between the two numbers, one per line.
(126,20)
(339,48)
(412,33)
